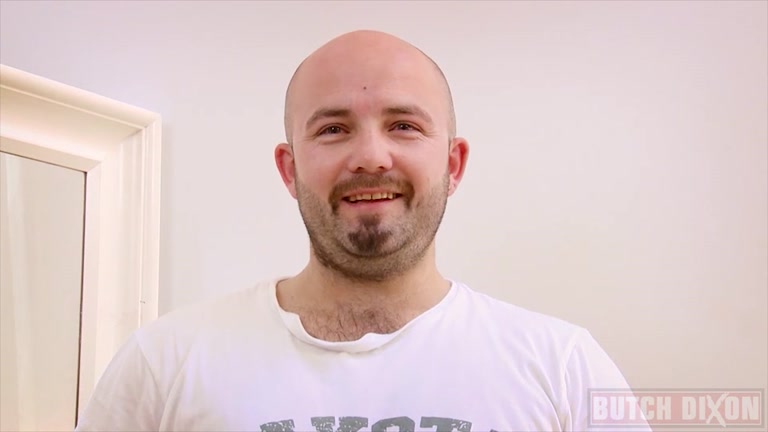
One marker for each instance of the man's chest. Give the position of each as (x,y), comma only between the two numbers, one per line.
(403,396)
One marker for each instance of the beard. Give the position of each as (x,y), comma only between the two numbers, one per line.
(368,248)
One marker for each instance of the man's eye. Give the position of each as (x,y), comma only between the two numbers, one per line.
(331,130)
(404,127)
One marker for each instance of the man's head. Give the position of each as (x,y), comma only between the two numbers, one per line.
(371,154)
(361,35)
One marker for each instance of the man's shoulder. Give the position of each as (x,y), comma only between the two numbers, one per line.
(507,310)
(220,313)
(514,321)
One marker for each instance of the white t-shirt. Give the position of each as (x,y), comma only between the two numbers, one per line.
(470,363)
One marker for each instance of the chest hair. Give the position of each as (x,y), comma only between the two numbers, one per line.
(349,323)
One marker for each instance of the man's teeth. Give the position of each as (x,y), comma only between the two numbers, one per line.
(370,197)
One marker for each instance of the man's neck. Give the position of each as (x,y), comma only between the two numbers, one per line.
(335,308)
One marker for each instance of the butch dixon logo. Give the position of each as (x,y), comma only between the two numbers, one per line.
(670,408)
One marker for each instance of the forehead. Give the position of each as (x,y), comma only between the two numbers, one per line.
(368,82)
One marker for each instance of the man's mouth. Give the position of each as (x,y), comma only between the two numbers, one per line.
(379,196)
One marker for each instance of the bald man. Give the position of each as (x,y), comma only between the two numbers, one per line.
(369,336)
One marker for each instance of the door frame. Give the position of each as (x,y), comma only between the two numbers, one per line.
(118,147)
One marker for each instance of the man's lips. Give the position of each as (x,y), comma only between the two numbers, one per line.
(371,196)
(370,205)
(367,189)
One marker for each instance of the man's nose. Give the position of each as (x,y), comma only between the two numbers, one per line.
(371,153)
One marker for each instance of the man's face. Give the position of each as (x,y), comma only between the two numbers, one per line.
(372,162)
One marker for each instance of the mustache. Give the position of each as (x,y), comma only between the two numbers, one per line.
(365,181)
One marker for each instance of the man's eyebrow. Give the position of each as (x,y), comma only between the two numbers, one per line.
(330,112)
(326,112)
(408,110)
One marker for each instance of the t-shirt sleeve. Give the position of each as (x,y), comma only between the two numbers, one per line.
(126,397)
(588,367)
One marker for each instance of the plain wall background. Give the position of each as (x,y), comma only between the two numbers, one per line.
(617,178)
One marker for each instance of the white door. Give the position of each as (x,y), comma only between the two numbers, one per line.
(41,249)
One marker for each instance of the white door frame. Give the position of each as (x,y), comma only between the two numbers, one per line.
(117,146)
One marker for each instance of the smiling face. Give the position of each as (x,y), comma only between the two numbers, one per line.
(372,160)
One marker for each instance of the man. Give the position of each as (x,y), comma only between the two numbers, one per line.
(369,336)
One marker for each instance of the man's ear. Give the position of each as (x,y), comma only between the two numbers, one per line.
(458,153)
(286,166)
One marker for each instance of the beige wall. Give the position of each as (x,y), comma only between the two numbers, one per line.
(617,177)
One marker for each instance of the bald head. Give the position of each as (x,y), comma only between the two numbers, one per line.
(362,50)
